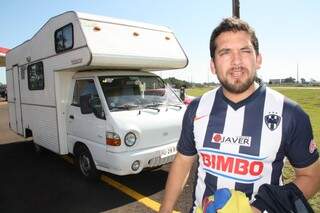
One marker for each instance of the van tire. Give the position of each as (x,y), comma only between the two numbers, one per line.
(85,163)
(37,148)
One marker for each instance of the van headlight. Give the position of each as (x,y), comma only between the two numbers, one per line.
(130,139)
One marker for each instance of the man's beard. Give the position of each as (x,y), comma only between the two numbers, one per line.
(237,87)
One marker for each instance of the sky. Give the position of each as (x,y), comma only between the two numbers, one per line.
(288,30)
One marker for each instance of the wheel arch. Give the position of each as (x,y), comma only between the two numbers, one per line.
(77,147)
(28,133)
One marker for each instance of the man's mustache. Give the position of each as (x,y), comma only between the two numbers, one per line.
(237,68)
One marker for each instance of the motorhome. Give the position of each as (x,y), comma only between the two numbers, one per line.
(85,85)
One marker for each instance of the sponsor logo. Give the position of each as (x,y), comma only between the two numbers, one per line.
(199,117)
(241,168)
(312,146)
(236,140)
(272,120)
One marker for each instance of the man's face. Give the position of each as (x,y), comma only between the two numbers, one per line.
(235,61)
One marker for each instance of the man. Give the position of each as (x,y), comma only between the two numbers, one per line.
(241,132)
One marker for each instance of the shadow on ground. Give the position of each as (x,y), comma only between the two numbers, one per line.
(31,182)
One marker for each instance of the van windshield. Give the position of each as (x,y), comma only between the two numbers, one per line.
(132,92)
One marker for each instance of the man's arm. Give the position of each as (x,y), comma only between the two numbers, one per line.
(178,176)
(308,179)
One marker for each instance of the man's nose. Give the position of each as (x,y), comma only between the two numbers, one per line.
(236,58)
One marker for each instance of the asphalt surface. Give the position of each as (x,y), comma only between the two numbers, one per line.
(45,182)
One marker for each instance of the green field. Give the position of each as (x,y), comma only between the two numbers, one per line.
(309,99)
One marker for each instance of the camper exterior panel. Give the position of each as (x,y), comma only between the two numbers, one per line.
(31,50)
(117,45)
(137,62)
(42,121)
(70,60)
(63,92)
(99,18)
(18,55)
(43,96)
(12,115)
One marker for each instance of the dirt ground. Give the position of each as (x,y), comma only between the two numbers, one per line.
(6,135)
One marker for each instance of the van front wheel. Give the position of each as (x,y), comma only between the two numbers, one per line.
(86,163)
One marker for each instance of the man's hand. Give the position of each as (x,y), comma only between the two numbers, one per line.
(226,201)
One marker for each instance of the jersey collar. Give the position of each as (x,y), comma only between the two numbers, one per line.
(238,105)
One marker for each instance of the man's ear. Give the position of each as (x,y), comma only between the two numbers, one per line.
(212,67)
(258,61)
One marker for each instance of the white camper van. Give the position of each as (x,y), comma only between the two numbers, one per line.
(82,85)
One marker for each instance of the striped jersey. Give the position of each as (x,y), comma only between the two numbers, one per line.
(243,145)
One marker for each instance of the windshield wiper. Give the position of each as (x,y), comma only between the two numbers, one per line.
(152,106)
(175,105)
(125,107)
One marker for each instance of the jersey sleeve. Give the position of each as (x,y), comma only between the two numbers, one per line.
(186,144)
(300,145)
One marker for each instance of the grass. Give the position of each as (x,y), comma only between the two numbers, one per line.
(309,100)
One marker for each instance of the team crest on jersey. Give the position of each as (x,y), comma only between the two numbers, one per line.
(235,140)
(272,120)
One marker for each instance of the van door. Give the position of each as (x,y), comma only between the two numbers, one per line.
(86,125)
(16,78)
(11,100)
(14,100)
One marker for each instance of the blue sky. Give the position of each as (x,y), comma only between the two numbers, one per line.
(288,30)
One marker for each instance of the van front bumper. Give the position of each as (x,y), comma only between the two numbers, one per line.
(125,163)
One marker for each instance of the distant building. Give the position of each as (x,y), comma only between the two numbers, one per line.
(275,81)
(3,52)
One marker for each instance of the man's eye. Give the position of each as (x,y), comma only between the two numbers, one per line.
(246,50)
(225,52)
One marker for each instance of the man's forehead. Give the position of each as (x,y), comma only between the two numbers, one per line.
(233,33)
(239,38)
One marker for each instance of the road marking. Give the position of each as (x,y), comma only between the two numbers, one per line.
(68,159)
(128,191)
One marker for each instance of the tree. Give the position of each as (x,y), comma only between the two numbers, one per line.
(176,83)
(289,80)
(303,81)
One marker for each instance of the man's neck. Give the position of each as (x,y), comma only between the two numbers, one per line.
(237,97)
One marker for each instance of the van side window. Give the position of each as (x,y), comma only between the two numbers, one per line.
(63,38)
(87,87)
(35,76)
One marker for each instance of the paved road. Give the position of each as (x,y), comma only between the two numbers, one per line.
(31,182)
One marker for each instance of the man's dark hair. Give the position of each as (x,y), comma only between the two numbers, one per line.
(234,25)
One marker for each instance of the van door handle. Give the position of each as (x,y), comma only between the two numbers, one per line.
(71,116)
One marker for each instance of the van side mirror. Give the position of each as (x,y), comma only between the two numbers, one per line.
(85,105)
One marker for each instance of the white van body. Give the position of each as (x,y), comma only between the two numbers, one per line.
(74,52)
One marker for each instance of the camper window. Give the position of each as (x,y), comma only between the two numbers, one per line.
(35,76)
(63,38)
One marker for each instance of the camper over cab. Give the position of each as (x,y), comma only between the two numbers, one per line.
(82,85)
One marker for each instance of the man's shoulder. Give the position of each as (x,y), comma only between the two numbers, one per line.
(292,112)
(209,95)
(272,92)
(288,103)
